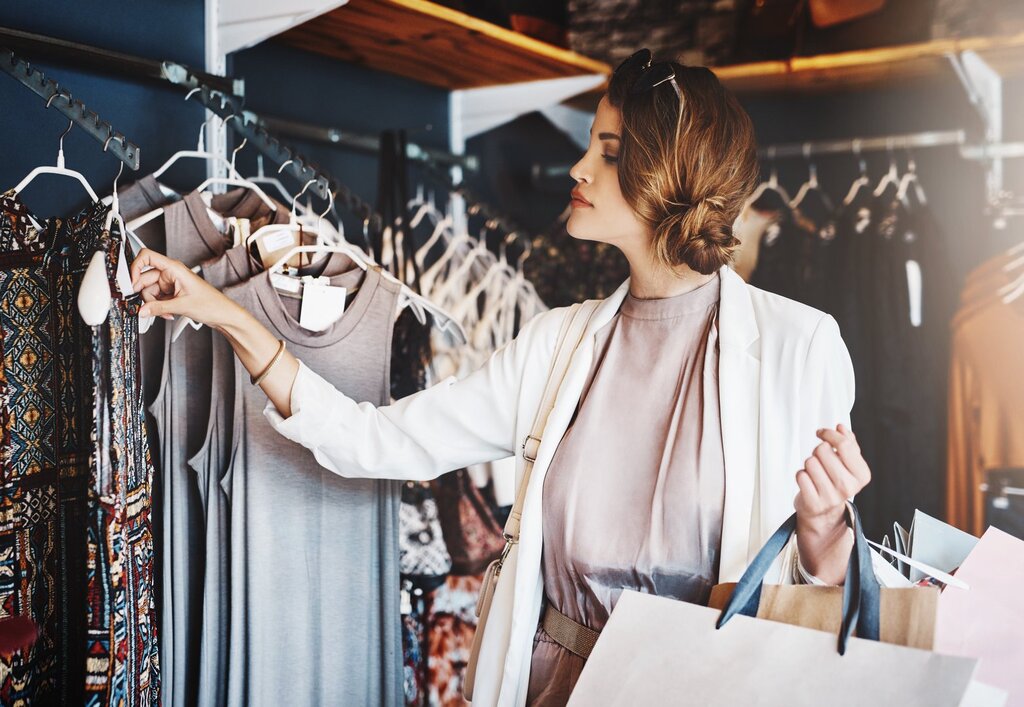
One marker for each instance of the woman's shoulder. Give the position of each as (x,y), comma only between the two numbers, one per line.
(787,319)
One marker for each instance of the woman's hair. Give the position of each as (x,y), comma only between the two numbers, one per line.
(686,169)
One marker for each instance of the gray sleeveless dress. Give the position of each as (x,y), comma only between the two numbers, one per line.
(633,497)
(315,611)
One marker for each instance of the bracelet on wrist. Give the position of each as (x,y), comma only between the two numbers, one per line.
(266,371)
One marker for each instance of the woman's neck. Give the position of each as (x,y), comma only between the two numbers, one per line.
(651,279)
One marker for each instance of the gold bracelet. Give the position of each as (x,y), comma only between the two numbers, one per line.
(266,371)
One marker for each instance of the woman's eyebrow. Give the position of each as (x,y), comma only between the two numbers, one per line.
(609,136)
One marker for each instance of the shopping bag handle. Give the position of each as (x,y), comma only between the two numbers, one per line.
(861,591)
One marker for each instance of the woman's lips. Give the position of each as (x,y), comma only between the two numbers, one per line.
(578,201)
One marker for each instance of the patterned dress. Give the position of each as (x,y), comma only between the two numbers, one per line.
(76,550)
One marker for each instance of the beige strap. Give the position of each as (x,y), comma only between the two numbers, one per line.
(570,635)
(570,336)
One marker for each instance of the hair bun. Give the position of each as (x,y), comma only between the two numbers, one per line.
(707,239)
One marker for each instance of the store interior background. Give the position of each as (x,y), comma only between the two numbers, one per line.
(287,82)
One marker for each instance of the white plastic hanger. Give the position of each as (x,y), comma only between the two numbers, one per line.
(862,180)
(772,183)
(891,177)
(429,282)
(199,153)
(237,181)
(420,305)
(262,178)
(442,227)
(910,178)
(60,169)
(812,178)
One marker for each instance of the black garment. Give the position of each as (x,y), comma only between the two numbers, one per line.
(780,257)
(908,365)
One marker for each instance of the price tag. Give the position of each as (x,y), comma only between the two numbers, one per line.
(322,304)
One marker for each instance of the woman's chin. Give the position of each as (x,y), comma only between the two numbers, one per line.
(575,230)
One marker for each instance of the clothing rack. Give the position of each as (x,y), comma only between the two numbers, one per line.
(249,126)
(365,143)
(938,138)
(224,96)
(61,99)
(435,163)
(40,46)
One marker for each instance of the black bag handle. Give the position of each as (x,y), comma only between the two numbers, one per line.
(861,591)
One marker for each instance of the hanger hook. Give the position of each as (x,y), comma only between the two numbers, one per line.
(861,164)
(773,174)
(527,252)
(190,93)
(234,152)
(911,165)
(56,94)
(71,124)
(283,165)
(298,196)
(259,165)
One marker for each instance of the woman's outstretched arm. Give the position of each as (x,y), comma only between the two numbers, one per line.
(170,288)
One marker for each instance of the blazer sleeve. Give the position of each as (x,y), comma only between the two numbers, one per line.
(448,426)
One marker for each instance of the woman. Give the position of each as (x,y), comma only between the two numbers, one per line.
(675,445)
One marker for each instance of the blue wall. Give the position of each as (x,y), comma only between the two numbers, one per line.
(289,83)
(153,116)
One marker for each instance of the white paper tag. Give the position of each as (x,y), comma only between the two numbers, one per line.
(322,305)
(279,241)
(914,291)
(283,282)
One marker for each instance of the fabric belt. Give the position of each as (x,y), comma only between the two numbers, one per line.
(570,635)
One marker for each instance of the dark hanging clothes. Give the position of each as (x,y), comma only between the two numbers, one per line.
(858,266)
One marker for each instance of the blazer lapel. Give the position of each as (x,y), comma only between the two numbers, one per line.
(739,394)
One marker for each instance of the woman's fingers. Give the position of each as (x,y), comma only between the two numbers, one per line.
(840,477)
(845,444)
(145,280)
(807,490)
(149,259)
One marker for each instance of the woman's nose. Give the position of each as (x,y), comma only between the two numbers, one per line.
(578,173)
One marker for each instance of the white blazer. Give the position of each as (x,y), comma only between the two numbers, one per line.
(784,372)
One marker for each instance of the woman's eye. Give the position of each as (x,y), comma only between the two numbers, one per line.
(612,159)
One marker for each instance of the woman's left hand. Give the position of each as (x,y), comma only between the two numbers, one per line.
(834,473)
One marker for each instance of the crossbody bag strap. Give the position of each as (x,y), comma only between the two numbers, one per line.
(570,336)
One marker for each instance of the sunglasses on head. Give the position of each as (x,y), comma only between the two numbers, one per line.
(651,75)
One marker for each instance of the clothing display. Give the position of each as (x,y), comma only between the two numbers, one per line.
(659,356)
(77,542)
(877,264)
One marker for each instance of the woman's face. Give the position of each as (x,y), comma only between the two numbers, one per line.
(603,214)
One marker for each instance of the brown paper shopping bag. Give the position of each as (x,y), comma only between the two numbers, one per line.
(907,613)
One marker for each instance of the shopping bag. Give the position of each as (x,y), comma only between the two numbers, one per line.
(987,620)
(655,650)
(907,614)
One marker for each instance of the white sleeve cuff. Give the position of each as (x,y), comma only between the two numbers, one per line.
(310,399)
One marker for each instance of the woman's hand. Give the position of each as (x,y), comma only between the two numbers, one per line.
(835,472)
(170,288)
